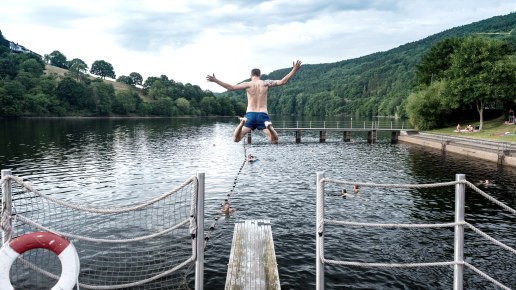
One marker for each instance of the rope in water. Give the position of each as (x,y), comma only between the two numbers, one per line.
(208,234)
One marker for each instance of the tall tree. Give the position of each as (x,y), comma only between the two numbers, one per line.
(103,69)
(58,59)
(77,67)
(482,73)
(436,61)
(137,78)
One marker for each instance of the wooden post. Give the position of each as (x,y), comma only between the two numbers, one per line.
(394,137)
(347,136)
(298,136)
(322,136)
(249,139)
(371,136)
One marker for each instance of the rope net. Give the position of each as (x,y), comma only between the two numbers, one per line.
(147,245)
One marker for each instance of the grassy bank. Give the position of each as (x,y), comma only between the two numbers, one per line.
(492,130)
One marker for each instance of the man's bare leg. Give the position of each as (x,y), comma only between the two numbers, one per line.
(271,134)
(240,130)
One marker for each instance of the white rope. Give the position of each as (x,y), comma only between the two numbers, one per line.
(87,208)
(490,198)
(387,265)
(442,225)
(87,286)
(425,185)
(487,277)
(90,239)
(493,240)
(394,185)
(141,282)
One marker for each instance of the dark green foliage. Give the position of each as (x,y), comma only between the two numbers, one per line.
(58,59)
(126,102)
(478,72)
(136,78)
(125,80)
(102,69)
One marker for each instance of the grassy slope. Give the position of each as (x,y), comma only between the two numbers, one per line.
(60,72)
(492,130)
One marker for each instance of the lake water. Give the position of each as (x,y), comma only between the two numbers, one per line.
(118,159)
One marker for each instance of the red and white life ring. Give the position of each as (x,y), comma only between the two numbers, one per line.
(41,240)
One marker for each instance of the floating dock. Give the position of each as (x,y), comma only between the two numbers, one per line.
(252,263)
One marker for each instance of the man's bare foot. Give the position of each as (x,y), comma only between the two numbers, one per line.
(274,135)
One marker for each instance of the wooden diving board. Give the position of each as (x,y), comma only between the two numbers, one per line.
(252,262)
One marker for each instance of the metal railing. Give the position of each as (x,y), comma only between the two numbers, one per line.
(459,224)
(355,125)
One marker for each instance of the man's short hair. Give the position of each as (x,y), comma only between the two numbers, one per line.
(256,72)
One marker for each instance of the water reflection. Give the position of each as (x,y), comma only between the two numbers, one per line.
(109,161)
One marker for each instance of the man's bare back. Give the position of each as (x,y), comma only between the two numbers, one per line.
(257,90)
(257,95)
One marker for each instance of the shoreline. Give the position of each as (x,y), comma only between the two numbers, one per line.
(501,154)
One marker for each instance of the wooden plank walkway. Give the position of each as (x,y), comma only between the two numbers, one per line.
(252,263)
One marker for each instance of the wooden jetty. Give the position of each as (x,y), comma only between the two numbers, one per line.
(252,263)
(345,128)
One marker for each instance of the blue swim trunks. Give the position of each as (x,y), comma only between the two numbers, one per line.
(256,120)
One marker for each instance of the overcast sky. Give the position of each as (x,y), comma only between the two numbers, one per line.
(187,39)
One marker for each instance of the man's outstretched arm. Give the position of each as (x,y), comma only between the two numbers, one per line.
(295,67)
(227,86)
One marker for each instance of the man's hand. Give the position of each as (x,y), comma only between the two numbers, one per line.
(296,65)
(211,78)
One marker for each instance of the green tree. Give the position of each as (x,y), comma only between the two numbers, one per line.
(8,67)
(125,80)
(437,60)
(102,96)
(102,69)
(183,106)
(137,78)
(429,108)
(73,94)
(482,73)
(33,67)
(58,59)
(46,58)
(126,102)
(12,99)
(77,68)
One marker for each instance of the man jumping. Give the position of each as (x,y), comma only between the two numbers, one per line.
(256,116)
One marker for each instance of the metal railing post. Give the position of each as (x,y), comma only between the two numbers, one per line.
(6,206)
(319,234)
(199,264)
(458,268)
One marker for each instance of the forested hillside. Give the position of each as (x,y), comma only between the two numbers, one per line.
(376,84)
